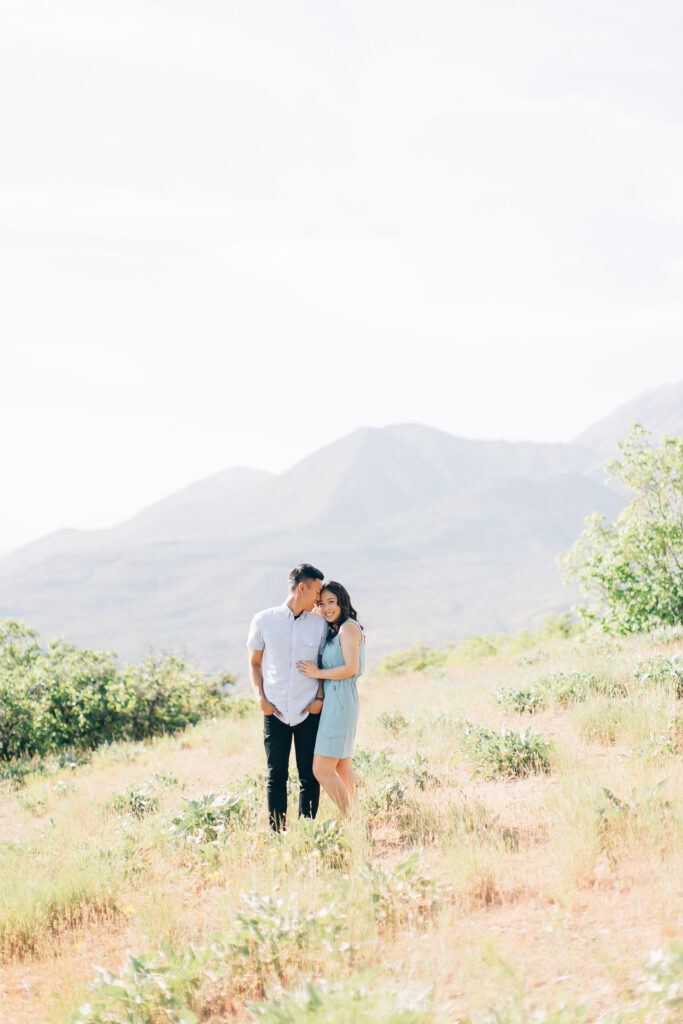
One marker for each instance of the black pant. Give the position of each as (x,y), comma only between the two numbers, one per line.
(277,739)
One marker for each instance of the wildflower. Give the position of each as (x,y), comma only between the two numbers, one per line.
(129,910)
(214,875)
(288,858)
(315,853)
(272,852)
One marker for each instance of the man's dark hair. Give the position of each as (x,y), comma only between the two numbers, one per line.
(304,572)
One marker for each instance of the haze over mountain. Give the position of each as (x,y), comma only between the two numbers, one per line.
(435,536)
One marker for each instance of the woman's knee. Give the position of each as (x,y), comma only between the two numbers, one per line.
(324,768)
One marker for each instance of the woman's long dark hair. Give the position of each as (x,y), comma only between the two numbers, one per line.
(344,602)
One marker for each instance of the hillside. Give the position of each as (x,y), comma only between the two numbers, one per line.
(515,876)
(435,536)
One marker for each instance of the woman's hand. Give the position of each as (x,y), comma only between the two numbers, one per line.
(308,668)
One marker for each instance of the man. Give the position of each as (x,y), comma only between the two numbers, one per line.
(291,702)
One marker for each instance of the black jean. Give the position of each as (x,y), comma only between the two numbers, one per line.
(277,739)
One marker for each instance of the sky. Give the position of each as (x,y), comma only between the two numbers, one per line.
(233,232)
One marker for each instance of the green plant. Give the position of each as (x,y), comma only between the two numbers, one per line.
(507,753)
(349,1002)
(621,821)
(151,988)
(399,894)
(632,569)
(137,801)
(661,673)
(325,841)
(392,722)
(68,697)
(524,700)
(209,818)
(272,929)
(416,659)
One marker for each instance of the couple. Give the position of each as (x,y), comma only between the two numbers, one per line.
(304,659)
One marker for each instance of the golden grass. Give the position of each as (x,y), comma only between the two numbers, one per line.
(549,890)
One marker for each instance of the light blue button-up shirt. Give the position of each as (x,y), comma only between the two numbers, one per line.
(285,640)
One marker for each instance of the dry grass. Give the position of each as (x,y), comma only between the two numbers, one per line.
(549,890)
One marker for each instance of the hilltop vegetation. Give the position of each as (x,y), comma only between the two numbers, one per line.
(517,858)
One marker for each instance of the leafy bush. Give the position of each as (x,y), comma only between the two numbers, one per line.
(136,800)
(151,987)
(68,697)
(416,659)
(209,819)
(506,754)
(524,700)
(399,895)
(620,822)
(556,688)
(270,930)
(392,722)
(632,569)
(661,673)
(325,841)
(353,1000)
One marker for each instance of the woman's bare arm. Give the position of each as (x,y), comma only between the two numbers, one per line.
(350,637)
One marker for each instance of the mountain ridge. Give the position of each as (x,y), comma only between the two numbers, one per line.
(435,536)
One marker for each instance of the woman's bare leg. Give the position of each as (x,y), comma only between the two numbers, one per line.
(325,771)
(347,774)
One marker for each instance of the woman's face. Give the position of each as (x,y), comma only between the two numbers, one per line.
(329,606)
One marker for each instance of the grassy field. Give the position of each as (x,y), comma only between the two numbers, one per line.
(494,874)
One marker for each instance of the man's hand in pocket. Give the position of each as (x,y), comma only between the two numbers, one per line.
(267,708)
(314,708)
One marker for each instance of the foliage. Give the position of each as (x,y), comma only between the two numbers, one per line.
(556,689)
(507,753)
(399,895)
(71,697)
(209,818)
(151,987)
(349,1001)
(632,569)
(621,821)
(392,722)
(661,673)
(137,801)
(271,929)
(416,659)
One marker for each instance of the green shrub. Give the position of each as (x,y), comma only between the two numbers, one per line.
(350,1001)
(416,659)
(210,818)
(524,700)
(136,800)
(399,895)
(151,987)
(392,722)
(661,673)
(68,697)
(507,753)
(325,840)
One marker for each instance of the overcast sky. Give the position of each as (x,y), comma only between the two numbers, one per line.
(233,232)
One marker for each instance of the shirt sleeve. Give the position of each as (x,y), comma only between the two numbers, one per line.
(255,641)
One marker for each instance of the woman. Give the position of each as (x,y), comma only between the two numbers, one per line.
(343,660)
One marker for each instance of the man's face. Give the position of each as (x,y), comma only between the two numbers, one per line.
(310,593)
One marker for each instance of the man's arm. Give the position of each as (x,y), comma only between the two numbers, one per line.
(256,676)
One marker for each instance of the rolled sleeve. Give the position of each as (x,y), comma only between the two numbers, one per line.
(255,640)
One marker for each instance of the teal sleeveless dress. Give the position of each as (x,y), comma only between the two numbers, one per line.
(339,716)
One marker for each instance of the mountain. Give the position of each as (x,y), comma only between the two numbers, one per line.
(659,410)
(435,536)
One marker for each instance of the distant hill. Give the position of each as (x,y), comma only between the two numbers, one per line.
(436,536)
(660,410)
